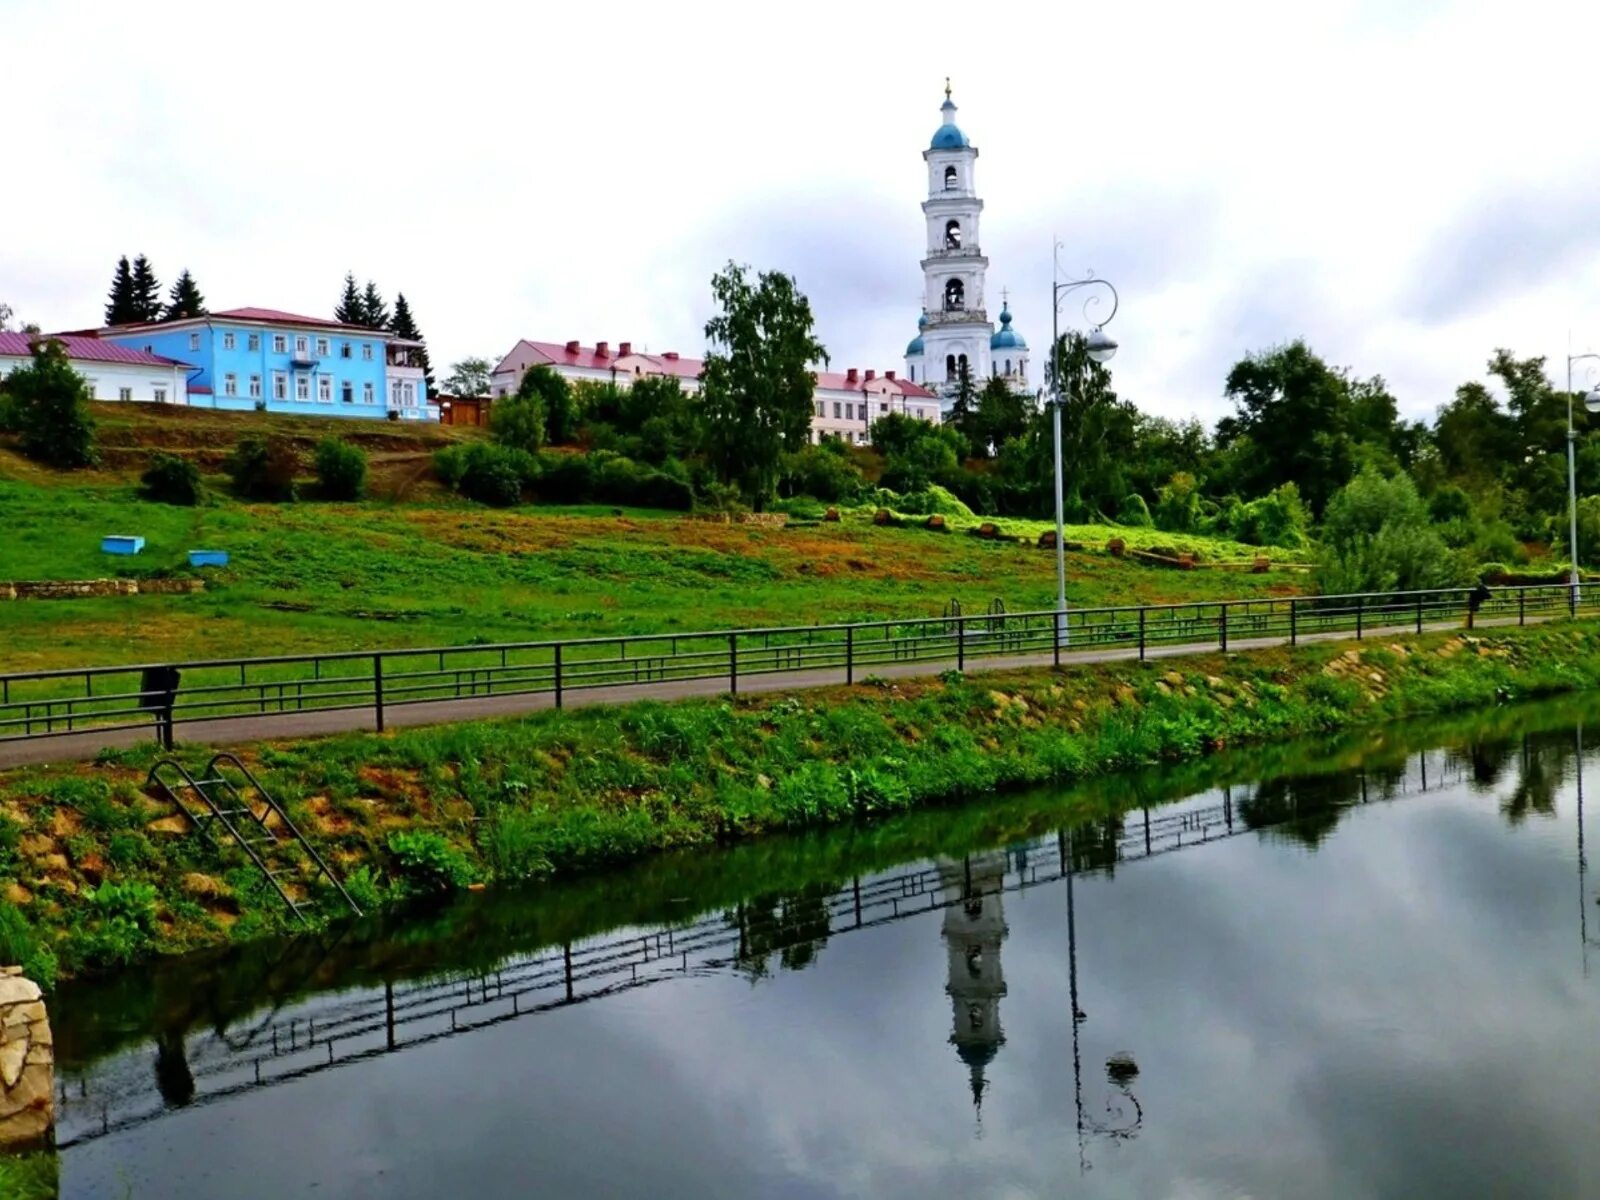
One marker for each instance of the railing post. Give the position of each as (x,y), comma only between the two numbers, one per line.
(1361,605)
(1522,606)
(1142,612)
(961,643)
(1572,601)
(558,674)
(377,688)
(733,663)
(1055,639)
(1294,632)
(1223,625)
(1419,612)
(849,654)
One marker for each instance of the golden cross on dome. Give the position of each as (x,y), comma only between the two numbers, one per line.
(947,87)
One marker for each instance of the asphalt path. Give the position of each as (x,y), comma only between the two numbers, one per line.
(232,731)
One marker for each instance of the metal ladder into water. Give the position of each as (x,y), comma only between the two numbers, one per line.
(247,822)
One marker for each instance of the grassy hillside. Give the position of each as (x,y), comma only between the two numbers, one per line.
(421,567)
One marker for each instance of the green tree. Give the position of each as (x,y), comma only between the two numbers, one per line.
(1002,414)
(555,401)
(1377,537)
(403,325)
(349,310)
(1292,422)
(469,377)
(146,291)
(374,311)
(1475,437)
(121,307)
(1178,505)
(1097,430)
(758,382)
(264,469)
(341,469)
(185,299)
(963,416)
(48,406)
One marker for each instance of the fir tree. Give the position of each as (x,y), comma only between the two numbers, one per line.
(146,291)
(185,299)
(120,308)
(374,311)
(349,310)
(404,325)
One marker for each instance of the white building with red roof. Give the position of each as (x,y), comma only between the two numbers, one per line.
(111,371)
(846,402)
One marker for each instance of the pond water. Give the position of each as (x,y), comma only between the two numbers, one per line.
(1363,968)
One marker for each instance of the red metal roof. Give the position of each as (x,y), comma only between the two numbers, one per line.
(558,354)
(273,316)
(86,349)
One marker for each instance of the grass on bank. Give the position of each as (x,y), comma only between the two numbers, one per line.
(315,576)
(103,875)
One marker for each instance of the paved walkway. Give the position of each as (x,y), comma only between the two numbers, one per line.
(231,731)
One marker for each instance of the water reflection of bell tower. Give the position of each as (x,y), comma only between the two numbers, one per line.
(974,928)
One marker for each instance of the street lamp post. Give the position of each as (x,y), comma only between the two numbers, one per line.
(1100,348)
(1591,401)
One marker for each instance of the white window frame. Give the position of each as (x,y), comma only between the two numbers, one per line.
(194,341)
(302,344)
(408,392)
(347,392)
(302,387)
(366,351)
(89,384)
(252,343)
(280,343)
(230,384)
(394,393)
(366,392)
(838,411)
(125,394)
(322,347)
(325,389)
(158,393)
(255,387)
(280,386)
(227,339)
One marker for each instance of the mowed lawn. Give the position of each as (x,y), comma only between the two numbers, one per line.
(315,576)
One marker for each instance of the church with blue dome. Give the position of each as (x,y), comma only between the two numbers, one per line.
(954,332)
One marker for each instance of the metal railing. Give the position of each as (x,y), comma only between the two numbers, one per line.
(57,703)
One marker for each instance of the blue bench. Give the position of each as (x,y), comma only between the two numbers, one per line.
(208,558)
(121,544)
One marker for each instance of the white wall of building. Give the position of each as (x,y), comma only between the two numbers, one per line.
(122,381)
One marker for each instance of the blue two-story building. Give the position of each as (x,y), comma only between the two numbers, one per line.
(248,358)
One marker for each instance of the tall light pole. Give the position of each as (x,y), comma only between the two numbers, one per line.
(1100,348)
(1591,401)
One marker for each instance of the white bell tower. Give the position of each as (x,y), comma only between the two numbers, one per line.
(958,328)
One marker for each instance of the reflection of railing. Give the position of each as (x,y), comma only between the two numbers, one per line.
(328,1033)
(104,699)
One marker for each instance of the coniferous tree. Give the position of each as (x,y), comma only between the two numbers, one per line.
(374,311)
(120,307)
(349,311)
(185,299)
(404,325)
(146,291)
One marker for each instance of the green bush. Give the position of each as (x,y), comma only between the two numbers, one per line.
(520,422)
(1276,519)
(1178,504)
(122,923)
(823,472)
(563,478)
(490,474)
(264,469)
(449,465)
(1376,537)
(170,479)
(1134,511)
(21,946)
(425,862)
(341,470)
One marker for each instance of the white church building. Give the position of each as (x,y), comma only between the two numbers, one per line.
(954,331)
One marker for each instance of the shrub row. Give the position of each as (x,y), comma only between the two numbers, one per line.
(503,475)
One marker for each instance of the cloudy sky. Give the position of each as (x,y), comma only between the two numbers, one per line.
(1405,183)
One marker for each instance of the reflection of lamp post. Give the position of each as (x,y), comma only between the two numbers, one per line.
(1100,348)
(1123,1112)
(1591,401)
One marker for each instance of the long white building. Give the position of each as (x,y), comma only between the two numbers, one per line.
(110,371)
